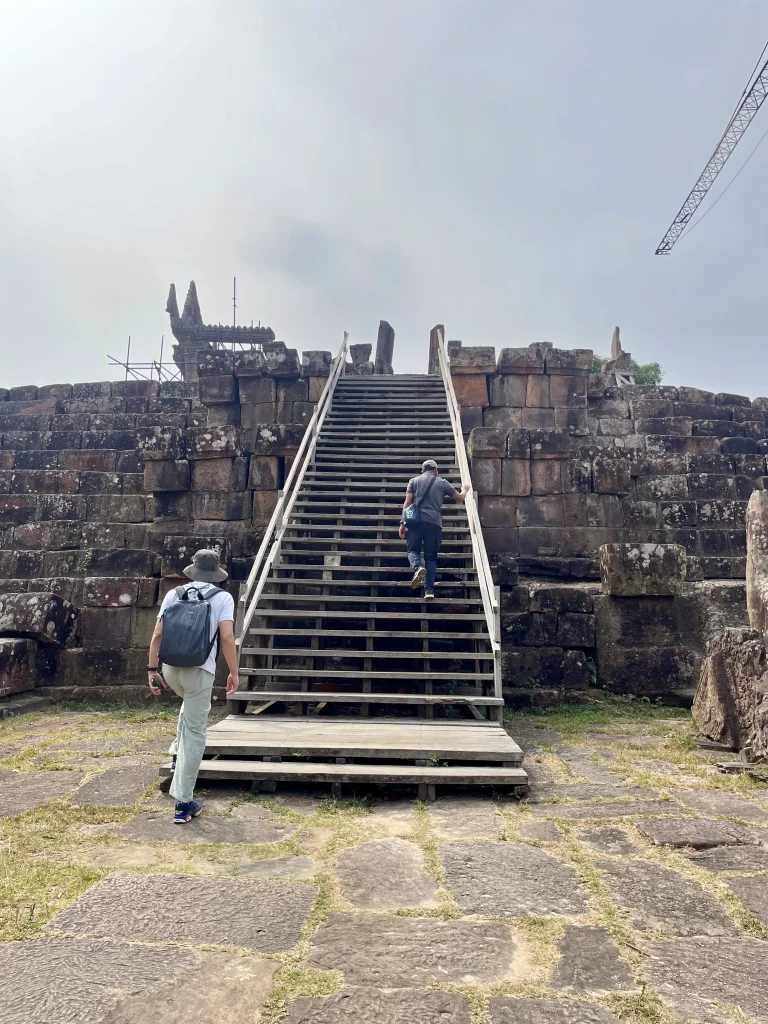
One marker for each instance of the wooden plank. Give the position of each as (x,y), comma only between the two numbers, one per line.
(346,652)
(368,598)
(315,613)
(302,696)
(286,771)
(389,633)
(333,673)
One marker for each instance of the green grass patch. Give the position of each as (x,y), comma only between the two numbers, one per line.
(32,891)
(645,1007)
(603,709)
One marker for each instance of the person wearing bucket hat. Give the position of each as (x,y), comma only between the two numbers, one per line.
(189,665)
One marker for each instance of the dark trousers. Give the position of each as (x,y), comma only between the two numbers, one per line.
(429,535)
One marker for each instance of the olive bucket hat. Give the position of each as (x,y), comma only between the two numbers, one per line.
(205,567)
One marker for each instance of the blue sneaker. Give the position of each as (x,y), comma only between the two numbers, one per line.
(186,812)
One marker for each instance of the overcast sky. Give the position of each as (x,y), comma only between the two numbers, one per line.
(504,168)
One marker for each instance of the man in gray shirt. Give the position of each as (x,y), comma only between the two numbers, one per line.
(428,491)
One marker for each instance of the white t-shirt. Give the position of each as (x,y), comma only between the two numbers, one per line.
(222,610)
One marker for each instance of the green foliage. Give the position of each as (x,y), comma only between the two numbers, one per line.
(645,373)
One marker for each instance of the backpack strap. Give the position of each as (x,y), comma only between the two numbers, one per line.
(426,492)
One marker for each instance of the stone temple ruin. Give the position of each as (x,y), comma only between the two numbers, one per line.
(614,516)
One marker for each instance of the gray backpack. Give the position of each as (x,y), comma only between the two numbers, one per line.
(185,641)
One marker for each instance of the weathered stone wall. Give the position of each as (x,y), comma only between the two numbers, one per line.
(107,489)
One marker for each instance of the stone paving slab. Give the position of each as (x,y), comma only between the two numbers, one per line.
(753,893)
(609,839)
(266,917)
(278,867)
(116,787)
(397,816)
(386,874)
(159,827)
(732,858)
(699,833)
(538,772)
(603,809)
(466,818)
(69,981)
(510,879)
(541,831)
(586,791)
(22,791)
(719,801)
(590,964)
(508,1010)
(376,1006)
(655,896)
(695,975)
(400,952)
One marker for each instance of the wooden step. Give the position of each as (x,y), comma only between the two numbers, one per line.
(346,652)
(403,570)
(368,553)
(364,598)
(414,699)
(423,738)
(373,634)
(331,673)
(306,581)
(317,613)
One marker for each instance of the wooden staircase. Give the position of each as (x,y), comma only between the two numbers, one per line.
(346,673)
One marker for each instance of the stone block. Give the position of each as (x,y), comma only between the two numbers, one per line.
(676,514)
(316,388)
(497,511)
(545,476)
(576,362)
(521,360)
(537,392)
(315,363)
(572,421)
(551,597)
(44,617)
(216,363)
(212,442)
(526,667)
(717,428)
(254,416)
(486,475)
(224,415)
(723,398)
(662,488)
(225,474)
(537,419)
(48,536)
(275,439)
(502,418)
(110,592)
(292,390)
(518,444)
(117,440)
(166,475)
(222,505)
(258,391)
(576,475)
(120,562)
(739,446)
(680,425)
(548,444)
(721,511)
(711,485)
(485,442)
(264,503)
(23,393)
(611,475)
(302,413)
(539,510)
(516,477)
(504,569)
(529,629)
(471,417)
(159,443)
(280,361)
(17,666)
(100,483)
(507,390)
(568,391)
(263,473)
(501,540)
(18,508)
(632,570)
(473,359)
(575,629)
(247,364)
(471,390)
(122,508)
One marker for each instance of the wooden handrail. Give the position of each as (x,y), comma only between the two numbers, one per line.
(488,591)
(273,536)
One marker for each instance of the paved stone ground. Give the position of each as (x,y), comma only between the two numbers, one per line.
(631,887)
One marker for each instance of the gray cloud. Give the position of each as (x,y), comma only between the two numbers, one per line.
(502,167)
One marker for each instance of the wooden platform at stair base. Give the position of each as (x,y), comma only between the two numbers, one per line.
(382,751)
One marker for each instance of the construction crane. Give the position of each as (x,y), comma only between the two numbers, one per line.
(751,100)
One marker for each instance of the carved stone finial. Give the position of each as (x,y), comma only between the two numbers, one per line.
(385,346)
(172,305)
(191,312)
(616,344)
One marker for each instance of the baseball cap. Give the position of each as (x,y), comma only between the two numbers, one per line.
(428,464)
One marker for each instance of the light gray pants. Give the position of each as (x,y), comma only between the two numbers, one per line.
(194,686)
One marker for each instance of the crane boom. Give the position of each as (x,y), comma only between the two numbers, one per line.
(749,105)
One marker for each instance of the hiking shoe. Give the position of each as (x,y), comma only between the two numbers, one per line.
(418,578)
(429,595)
(167,782)
(186,812)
